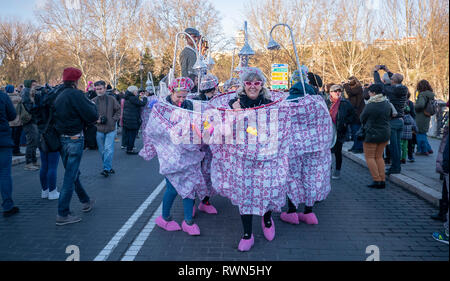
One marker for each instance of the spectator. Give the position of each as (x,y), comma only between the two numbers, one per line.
(354,91)
(7,113)
(375,121)
(208,87)
(397,94)
(109,111)
(326,94)
(188,56)
(16,124)
(422,118)
(443,236)
(132,117)
(72,112)
(49,160)
(30,127)
(342,114)
(412,142)
(297,82)
(408,129)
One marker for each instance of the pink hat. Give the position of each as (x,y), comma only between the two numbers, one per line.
(181,84)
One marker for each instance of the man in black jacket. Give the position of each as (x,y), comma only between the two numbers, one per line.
(30,128)
(397,95)
(73,111)
(132,117)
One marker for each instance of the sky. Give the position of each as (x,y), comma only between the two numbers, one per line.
(231,12)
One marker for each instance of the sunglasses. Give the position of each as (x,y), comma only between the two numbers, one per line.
(256,83)
(336,91)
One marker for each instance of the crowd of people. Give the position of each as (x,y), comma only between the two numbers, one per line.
(379,118)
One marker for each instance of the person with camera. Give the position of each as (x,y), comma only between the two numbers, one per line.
(16,124)
(375,133)
(73,110)
(132,117)
(29,125)
(397,94)
(109,111)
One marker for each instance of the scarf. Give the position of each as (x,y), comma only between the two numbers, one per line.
(377,98)
(334,109)
(246,102)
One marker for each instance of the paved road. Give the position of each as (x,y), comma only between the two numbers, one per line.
(352,218)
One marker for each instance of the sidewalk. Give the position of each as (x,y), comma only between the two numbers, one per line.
(419,177)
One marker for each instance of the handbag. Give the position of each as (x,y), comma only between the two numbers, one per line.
(50,138)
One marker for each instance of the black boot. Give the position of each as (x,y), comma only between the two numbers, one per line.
(443,209)
(373,185)
(381,185)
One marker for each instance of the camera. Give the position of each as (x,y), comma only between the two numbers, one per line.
(383,67)
(103,120)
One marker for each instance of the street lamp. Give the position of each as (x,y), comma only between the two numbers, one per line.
(273,45)
(141,68)
(150,82)
(245,52)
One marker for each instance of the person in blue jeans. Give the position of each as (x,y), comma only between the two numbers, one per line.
(109,111)
(395,145)
(169,197)
(73,110)
(48,173)
(7,113)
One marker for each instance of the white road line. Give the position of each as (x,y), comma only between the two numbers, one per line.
(132,252)
(104,254)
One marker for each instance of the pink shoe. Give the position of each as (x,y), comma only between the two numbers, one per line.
(269,233)
(167,225)
(291,218)
(209,209)
(191,229)
(308,218)
(193,211)
(246,244)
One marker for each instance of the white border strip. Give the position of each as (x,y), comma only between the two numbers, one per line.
(104,254)
(132,252)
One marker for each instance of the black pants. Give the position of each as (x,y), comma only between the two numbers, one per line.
(129,136)
(90,136)
(337,150)
(16,132)
(32,134)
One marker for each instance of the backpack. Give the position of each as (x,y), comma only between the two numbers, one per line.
(431,108)
(24,115)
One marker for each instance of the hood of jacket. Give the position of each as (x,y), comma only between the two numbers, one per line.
(297,90)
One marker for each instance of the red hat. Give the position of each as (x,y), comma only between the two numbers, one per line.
(71,74)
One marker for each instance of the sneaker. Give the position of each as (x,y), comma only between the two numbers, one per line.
(411,160)
(122,147)
(132,152)
(209,209)
(67,219)
(111,171)
(167,225)
(36,164)
(193,229)
(336,175)
(246,244)
(53,195)
(104,173)
(44,194)
(11,212)
(87,207)
(30,167)
(441,237)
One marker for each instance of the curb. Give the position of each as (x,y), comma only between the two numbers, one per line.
(405,182)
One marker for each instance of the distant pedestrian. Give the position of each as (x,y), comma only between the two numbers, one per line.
(7,114)
(413,141)
(29,125)
(132,117)
(376,133)
(16,124)
(425,96)
(109,111)
(354,91)
(407,134)
(72,112)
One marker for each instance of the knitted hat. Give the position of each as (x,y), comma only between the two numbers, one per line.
(71,74)
(336,88)
(9,89)
(181,84)
(295,77)
(132,89)
(208,81)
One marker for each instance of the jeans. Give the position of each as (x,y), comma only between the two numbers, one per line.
(373,152)
(395,145)
(32,134)
(422,143)
(357,144)
(105,143)
(16,132)
(169,197)
(5,177)
(49,169)
(71,153)
(130,137)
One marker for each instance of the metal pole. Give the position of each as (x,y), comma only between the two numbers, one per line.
(232,64)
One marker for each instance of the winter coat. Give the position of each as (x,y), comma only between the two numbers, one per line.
(15,99)
(441,154)
(132,111)
(375,121)
(356,98)
(73,111)
(29,105)
(187,104)
(296,91)
(7,113)
(112,113)
(187,61)
(346,116)
(423,121)
(408,127)
(396,94)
